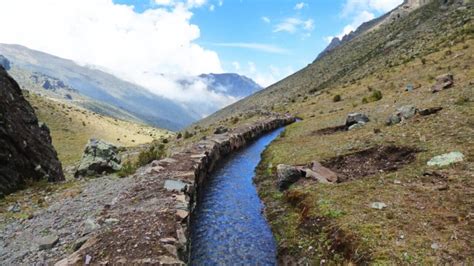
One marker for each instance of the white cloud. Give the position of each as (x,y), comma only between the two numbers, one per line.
(268,48)
(236,65)
(212,7)
(220,3)
(292,25)
(300,6)
(379,6)
(266,19)
(264,76)
(154,48)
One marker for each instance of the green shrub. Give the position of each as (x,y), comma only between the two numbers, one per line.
(337,98)
(376,95)
(155,152)
(179,135)
(165,141)
(127,169)
(187,135)
(235,120)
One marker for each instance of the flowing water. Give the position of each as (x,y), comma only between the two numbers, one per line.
(228,226)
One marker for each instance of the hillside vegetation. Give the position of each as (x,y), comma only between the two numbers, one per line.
(429,214)
(72,126)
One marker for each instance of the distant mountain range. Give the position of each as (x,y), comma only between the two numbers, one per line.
(104,93)
(231,84)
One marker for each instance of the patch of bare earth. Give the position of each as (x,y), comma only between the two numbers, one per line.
(371,161)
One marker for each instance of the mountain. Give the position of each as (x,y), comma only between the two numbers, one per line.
(397,13)
(104,88)
(231,84)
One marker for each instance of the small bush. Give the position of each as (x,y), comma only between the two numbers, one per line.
(337,98)
(179,135)
(165,141)
(187,135)
(235,120)
(423,61)
(155,152)
(127,169)
(376,95)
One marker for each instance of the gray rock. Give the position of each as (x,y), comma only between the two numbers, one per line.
(287,175)
(403,113)
(174,185)
(14,208)
(356,126)
(98,157)
(378,205)
(446,159)
(47,242)
(90,225)
(356,118)
(111,221)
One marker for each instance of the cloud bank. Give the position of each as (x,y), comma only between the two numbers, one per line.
(154,49)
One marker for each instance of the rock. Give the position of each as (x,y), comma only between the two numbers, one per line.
(321,173)
(287,175)
(88,260)
(166,260)
(175,185)
(356,118)
(4,62)
(378,205)
(24,144)
(356,126)
(430,111)
(168,240)
(182,214)
(443,82)
(446,159)
(14,208)
(98,157)
(221,130)
(409,87)
(171,249)
(435,246)
(79,242)
(111,221)
(402,113)
(90,226)
(47,242)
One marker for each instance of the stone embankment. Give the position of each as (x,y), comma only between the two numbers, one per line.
(151,220)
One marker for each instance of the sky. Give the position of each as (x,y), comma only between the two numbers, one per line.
(156,43)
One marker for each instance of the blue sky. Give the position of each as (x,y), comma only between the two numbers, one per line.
(268,39)
(159,43)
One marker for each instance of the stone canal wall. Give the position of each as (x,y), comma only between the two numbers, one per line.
(152,219)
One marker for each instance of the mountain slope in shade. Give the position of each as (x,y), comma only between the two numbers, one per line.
(231,84)
(102,87)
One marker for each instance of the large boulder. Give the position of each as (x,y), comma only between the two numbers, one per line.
(320,173)
(26,152)
(287,175)
(98,157)
(356,119)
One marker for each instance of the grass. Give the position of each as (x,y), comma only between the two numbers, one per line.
(71,128)
(418,213)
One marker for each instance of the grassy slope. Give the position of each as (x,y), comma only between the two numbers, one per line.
(314,222)
(71,127)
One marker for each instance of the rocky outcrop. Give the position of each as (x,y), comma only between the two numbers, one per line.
(26,152)
(356,120)
(403,113)
(99,157)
